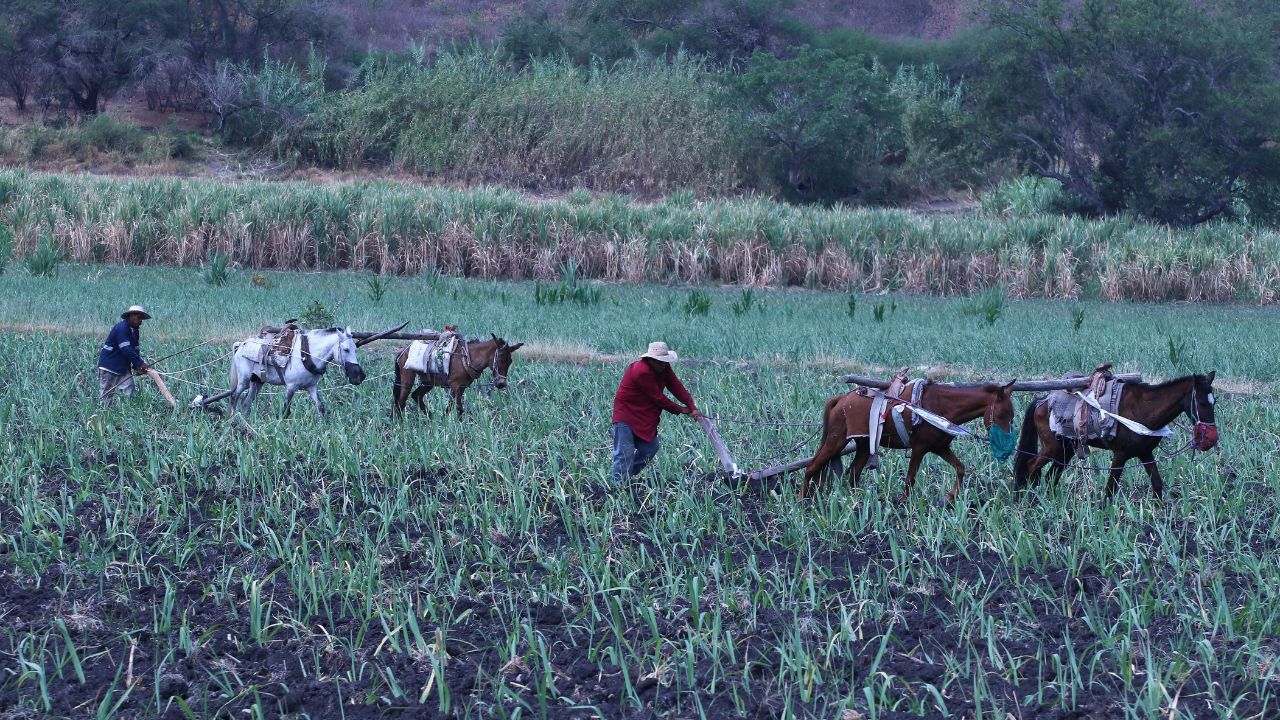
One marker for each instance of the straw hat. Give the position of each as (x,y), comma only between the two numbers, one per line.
(659,351)
(135,309)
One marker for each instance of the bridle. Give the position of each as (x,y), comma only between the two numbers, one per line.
(493,364)
(1200,428)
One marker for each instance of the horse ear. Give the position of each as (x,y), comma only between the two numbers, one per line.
(495,338)
(1007,388)
(1211,375)
(515,347)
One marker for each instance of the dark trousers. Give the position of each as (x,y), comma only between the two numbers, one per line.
(630,453)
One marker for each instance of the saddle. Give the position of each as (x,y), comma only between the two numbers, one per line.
(277,347)
(886,405)
(433,357)
(1071,416)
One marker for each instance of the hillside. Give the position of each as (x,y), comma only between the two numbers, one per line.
(394,23)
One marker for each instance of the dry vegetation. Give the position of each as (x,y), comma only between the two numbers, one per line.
(493,233)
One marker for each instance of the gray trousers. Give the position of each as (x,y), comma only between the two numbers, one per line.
(110,383)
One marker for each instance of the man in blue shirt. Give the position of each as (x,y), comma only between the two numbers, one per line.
(121,357)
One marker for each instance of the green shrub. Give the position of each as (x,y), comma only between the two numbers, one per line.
(376,288)
(107,134)
(45,260)
(744,303)
(987,304)
(6,246)
(570,289)
(216,271)
(697,303)
(1024,197)
(317,315)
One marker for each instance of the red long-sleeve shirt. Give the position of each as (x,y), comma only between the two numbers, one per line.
(640,399)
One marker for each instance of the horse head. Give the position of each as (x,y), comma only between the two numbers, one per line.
(998,420)
(501,362)
(1199,407)
(344,353)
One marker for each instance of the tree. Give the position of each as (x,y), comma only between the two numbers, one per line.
(824,122)
(1159,107)
(23,37)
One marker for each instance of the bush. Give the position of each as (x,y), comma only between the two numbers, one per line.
(376,288)
(1024,197)
(45,260)
(6,246)
(697,303)
(987,304)
(569,289)
(216,272)
(644,125)
(106,134)
(318,316)
(744,303)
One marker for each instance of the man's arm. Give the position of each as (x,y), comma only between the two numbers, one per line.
(652,387)
(677,388)
(130,349)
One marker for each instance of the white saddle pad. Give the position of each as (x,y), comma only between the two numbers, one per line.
(431,357)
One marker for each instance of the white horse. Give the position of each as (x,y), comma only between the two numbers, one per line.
(333,346)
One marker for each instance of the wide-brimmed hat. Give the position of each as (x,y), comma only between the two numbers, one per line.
(135,309)
(659,351)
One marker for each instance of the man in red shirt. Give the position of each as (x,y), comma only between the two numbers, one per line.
(638,405)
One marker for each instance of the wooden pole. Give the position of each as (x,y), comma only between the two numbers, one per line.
(362,335)
(795,464)
(1079,383)
(722,451)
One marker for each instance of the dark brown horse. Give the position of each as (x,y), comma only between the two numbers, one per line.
(959,404)
(1155,406)
(466,365)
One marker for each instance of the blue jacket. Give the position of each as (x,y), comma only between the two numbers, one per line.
(120,351)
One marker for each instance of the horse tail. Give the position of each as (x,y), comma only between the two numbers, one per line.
(396,384)
(235,377)
(826,413)
(1028,445)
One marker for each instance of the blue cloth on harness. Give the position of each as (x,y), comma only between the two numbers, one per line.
(120,350)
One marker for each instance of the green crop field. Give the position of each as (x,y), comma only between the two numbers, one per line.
(166,564)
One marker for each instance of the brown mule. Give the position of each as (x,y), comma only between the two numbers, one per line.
(959,404)
(466,365)
(1155,406)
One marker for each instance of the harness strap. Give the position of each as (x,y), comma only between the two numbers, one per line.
(308,361)
(1133,425)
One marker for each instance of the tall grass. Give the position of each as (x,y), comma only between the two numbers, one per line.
(643,126)
(486,232)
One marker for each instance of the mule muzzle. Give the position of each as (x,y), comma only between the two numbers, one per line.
(500,382)
(355,373)
(1204,436)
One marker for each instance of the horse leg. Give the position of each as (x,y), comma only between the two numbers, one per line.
(1148,459)
(830,448)
(860,458)
(288,398)
(418,396)
(456,391)
(254,388)
(314,392)
(917,456)
(400,397)
(1118,461)
(950,456)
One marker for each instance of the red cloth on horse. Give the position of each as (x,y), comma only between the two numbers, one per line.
(640,400)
